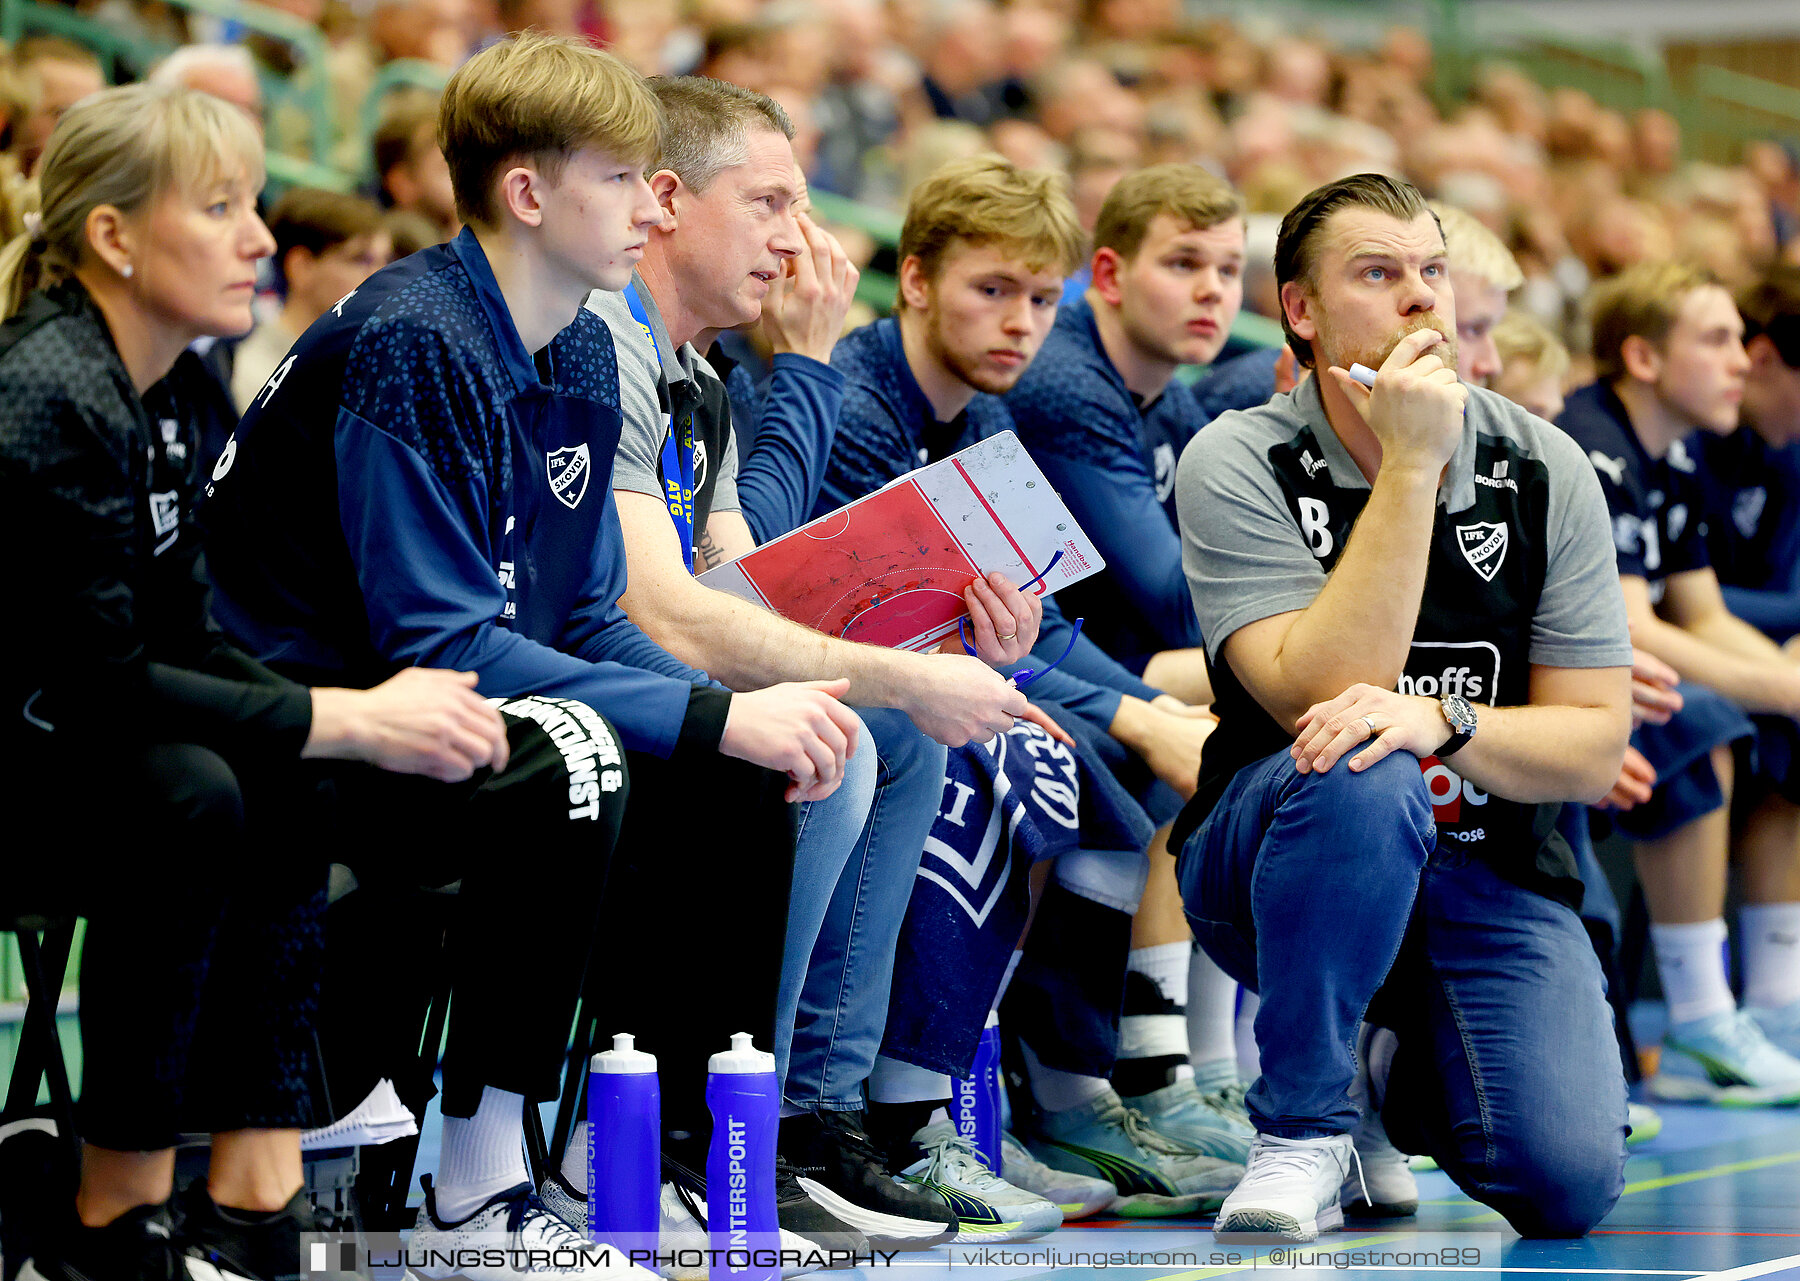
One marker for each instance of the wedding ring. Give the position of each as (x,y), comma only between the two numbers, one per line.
(1009,636)
(1374,730)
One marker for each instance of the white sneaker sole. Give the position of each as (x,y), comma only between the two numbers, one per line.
(205,1270)
(1691,1089)
(884,1231)
(1250,1225)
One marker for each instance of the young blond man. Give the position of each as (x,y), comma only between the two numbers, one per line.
(423,481)
(984,250)
(1104,415)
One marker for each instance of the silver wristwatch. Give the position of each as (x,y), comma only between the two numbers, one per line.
(1461,716)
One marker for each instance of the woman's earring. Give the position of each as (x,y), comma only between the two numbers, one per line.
(125,271)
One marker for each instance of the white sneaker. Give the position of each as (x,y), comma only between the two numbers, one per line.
(1076,1195)
(1290,1192)
(1383,1186)
(490,1244)
(988,1208)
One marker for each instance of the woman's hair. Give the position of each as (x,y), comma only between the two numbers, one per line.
(123,147)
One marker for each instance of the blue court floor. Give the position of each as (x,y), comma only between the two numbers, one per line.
(1716,1195)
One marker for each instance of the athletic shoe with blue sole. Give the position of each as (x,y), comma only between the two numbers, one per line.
(1156,1177)
(989,1209)
(1724,1059)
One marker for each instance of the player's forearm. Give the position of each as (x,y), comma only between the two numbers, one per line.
(747,648)
(1756,685)
(1535,754)
(1360,627)
(1733,635)
(1181,672)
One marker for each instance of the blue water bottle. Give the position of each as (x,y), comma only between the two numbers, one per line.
(745,1100)
(977,1101)
(624,1147)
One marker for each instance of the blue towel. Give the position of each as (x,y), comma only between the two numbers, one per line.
(1007,804)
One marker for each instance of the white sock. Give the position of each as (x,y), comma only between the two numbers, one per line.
(1166,965)
(575,1158)
(1012,966)
(1211,1013)
(892,1081)
(1769,935)
(1691,964)
(1058,1091)
(482,1155)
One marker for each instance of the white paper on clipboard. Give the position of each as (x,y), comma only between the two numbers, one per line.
(889,569)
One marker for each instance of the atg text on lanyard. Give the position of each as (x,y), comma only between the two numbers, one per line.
(678,452)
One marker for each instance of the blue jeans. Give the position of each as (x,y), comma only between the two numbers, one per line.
(1317,891)
(852,880)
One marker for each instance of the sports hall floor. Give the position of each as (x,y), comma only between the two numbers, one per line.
(1716,1196)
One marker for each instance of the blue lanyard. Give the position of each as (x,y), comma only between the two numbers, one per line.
(677,450)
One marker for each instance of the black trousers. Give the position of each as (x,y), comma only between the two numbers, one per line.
(690,940)
(203,888)
(519,861)
(680,894)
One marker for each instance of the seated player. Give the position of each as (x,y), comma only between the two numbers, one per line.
(983,251)
(425,481)
(1360,566)
(1534,365)
(199,974)
(1669,353)
(1104,415)
(1753,475)
(731,243)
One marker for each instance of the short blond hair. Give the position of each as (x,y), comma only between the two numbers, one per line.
(1522,339)
(988,200)
(1476,251)
(541,98)
(1643,301)
(1187,192)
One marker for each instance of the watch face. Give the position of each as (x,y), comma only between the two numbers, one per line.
(1458,712)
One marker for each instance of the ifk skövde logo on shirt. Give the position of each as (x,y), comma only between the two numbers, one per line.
(1483,545)
(568,470)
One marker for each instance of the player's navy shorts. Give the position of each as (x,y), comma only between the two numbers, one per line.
(1767,750)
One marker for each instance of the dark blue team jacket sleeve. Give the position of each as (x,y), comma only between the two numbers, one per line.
(434,600)
(1774,611)
(779,476)
(1087,660)
(1116,504)
(1098,704)
(871,449)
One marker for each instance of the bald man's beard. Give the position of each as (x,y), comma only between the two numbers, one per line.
(1376,356)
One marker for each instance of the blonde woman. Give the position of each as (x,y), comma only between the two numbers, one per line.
(152,766)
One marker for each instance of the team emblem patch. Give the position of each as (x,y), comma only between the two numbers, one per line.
(1483,546)
(569,471)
